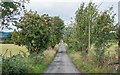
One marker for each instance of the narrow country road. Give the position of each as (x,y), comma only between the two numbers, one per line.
(61,63)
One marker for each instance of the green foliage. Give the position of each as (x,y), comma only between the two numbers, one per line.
(89,65)
(103,33)
(57,30)
(38,68)
(90,68)
(15,38)
(67,34)
(78,38)
(40,64)
(35,32)
(15,64)
(8,12)
(7,8)
(59,27)
(83,23)
(18,64)
(100,26)
(118,34)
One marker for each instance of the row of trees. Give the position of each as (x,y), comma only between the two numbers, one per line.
(37,32)
(91,27)
(34,31)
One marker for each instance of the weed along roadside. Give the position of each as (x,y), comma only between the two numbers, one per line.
(46,60)
(89,64)
(37,64)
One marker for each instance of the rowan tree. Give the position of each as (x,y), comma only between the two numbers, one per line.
(34,32)
(103,34)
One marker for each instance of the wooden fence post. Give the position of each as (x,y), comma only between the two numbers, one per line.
(10,54)
(5,52)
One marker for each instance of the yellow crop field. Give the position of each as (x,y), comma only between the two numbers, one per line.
(11,49)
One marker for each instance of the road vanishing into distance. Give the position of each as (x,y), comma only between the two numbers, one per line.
(61,63)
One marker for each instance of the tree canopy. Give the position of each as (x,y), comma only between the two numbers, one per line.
(8,12)
(37,32)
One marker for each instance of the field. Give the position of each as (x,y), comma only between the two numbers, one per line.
(14,49)
(111,51)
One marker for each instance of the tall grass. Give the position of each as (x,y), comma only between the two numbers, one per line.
(35,64)
(89,64)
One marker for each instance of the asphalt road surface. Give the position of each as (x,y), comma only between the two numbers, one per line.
(61,63)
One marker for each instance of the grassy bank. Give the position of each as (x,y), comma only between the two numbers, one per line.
(18,62)
(46,60)
(89,64)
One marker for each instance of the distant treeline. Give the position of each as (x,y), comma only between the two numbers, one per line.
(4,36)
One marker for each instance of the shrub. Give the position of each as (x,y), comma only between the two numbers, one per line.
(15,64)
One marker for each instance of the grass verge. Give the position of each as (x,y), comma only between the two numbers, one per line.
(46,60)
(88,64)
(27,64)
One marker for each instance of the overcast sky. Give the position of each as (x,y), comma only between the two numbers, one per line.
(67,8)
